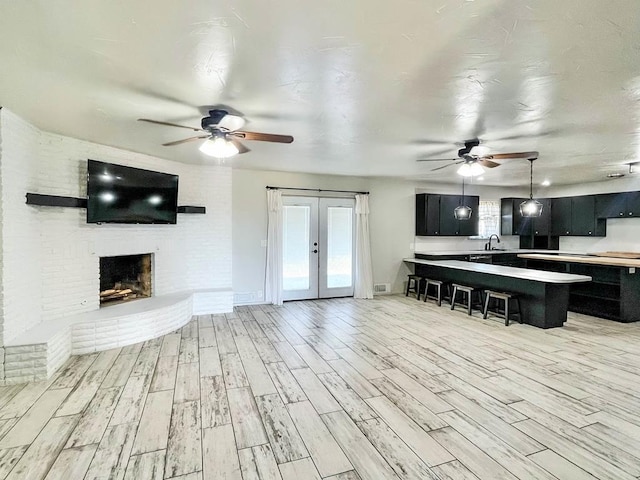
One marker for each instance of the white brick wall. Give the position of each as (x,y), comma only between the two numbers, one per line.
(50,255)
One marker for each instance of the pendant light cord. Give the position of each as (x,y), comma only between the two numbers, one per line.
(531,180)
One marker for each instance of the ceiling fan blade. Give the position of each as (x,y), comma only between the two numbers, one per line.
(436,160)
(169,124)
(501,156)
(241,148)
(445,166)
(431,141)
(185,140)
(263,137)
(487,163)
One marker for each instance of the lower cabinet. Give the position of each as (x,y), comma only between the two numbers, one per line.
(613,292)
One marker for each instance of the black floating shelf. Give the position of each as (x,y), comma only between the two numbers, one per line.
(55,201)
(191,209)
(75,202)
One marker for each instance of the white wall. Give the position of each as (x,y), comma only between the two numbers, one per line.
(392,203)
(50,255)
(250,222)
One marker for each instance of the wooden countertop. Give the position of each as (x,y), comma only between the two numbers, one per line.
(502,271)
(608,261)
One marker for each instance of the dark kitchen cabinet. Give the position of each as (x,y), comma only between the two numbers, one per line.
(541,225)
(632,202)
(468,228)
(449,225)
(610,205)
(618,205)
(583,215)
(576,216)
(421,214)
(561,216)
(511,222)
(434,215)
(427,214)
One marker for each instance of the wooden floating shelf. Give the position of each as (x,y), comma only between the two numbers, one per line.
(76,202)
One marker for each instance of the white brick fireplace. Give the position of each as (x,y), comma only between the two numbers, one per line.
(49,275)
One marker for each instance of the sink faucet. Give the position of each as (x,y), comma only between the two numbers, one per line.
(487,246)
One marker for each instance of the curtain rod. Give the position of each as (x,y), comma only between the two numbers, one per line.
(316,190)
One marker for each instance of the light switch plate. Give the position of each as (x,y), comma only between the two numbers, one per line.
(263,243)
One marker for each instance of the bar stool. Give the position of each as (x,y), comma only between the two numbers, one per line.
(506,297)
(457,288)
(414,284)
(438,284)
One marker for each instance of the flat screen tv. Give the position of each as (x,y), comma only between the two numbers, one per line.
(119,194)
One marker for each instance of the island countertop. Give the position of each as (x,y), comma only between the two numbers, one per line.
(590,259)
(503,271)
(498,251)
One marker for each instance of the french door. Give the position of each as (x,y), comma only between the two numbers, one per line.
(318,247)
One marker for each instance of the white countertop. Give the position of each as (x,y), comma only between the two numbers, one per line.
(495,252)
(514,272)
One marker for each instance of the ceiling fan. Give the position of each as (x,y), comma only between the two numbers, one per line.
(221,132)
(472,159)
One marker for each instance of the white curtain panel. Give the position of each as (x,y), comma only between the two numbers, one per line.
(273,287)
(364,274)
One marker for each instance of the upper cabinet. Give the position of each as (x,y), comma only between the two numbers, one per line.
(561,216)
(513,223)
(618,205)
(576,216)
(434,215)
(565,216)
(542,225)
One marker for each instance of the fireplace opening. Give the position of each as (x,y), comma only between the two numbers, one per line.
(124,278)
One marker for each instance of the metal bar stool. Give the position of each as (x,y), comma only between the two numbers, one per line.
(438,284)
(469,291)
(414,284)
(506,297)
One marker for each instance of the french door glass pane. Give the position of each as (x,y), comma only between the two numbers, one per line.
(339,247)
(295,266)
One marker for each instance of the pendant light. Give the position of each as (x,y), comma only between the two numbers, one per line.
(531,207)
(462,212)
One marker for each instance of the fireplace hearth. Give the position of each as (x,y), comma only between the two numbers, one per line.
(124,278)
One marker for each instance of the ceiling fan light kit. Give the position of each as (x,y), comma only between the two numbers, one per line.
(218,147)
(470,169)
(531,208)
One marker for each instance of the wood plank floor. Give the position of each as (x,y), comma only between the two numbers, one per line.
(338,389)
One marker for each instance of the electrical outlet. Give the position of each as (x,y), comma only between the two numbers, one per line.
(259,294)
(412,246)
(263,243)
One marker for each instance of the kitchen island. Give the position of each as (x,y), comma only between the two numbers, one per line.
(613,292)
(544,295)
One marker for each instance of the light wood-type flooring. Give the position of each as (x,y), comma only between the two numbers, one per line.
(338,389)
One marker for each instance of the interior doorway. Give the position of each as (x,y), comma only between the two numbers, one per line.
(318,247)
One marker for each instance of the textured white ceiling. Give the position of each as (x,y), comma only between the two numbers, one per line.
(364,86)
